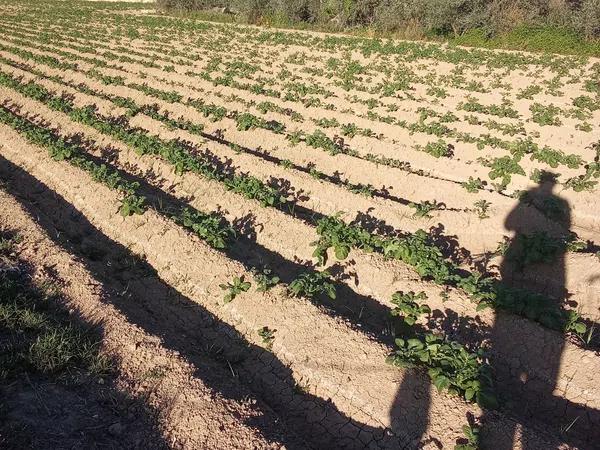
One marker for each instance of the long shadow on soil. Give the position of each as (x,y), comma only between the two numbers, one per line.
(573,420)
(365,314)
(359,305)
(184,326)
(63,410)
(372,315)
(373,318)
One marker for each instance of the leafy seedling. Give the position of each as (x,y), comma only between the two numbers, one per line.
(409,306)
(309,284)
(265,280)
(481,208)
(423,209)
(268,336)
(236,287)
(471,439)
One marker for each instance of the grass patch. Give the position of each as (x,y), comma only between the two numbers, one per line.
(548,39)
(37,335)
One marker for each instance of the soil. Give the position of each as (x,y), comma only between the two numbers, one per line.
(191,370)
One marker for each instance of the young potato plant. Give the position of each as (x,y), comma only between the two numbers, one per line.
(539,247)
(60,150)
(410,306)
(471,439)
(265,279)
(438,149)
(234,288)
(450,365)
(333,232)
(473,185)
(268,336)
(503,168)
(210,227)
(310,284)
(545,114)
(423,209)
(481,208)
(587,181)
(253,188)
(144,143)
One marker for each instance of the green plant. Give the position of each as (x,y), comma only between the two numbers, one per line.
(253,188)
(309,284)
(247,121)
(503,110)
(286,164)
(437,92)
(132,204)
(473,185)
(481,208)
(409,307)
(234,288)
(471,439)
(545,114)
(210,227)
(43,338)
(450,366)
(265,280)
(540,247)
(504,167)
(574,325)
(423,208)
(333,232)
(268,336)
(438,149)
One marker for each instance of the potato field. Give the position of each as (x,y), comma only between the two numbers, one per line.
(293,239)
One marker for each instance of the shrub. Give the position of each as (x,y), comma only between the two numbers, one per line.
(587,19)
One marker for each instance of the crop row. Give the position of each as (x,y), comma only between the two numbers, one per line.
(502,168)
(413,249)
(450,364)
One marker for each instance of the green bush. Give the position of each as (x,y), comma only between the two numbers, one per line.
(417,18)
(588,19)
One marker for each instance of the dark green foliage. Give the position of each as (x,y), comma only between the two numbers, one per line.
(310,284)
(450,366)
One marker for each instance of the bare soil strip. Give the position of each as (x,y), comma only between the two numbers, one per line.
(199,405)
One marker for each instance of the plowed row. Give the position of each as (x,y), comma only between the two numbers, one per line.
(247,101)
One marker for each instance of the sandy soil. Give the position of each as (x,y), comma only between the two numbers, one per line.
(324,382)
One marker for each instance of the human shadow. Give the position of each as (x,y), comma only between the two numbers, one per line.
(535,258)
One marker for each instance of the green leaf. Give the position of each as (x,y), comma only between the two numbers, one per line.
(341,251)
(487,400)
(441,382)
(483,305)
(469,394)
